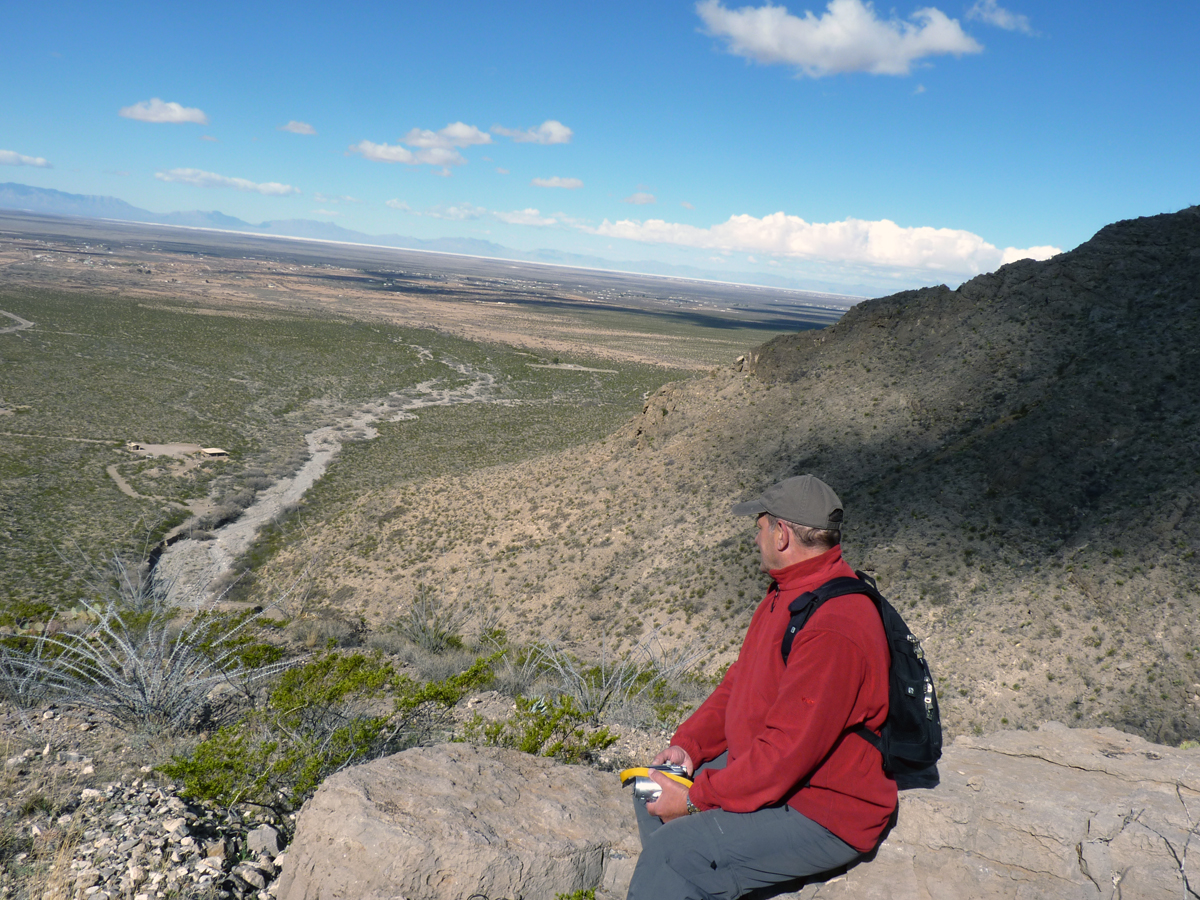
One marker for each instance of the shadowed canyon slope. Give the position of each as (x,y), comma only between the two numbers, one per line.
(1018,459)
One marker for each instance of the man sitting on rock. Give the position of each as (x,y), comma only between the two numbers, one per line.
(782,787)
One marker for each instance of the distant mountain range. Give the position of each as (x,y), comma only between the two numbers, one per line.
(58,203)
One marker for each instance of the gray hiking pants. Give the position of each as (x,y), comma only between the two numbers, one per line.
(719,854)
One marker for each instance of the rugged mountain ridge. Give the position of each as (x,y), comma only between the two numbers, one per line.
(1018,460)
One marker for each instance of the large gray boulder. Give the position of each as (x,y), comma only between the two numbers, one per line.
(455,820)
(1056,814)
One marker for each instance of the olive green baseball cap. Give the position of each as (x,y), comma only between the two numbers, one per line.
(802,500)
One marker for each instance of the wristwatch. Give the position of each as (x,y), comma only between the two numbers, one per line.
(691,807)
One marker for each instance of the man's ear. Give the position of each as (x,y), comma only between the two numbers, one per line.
(783,536)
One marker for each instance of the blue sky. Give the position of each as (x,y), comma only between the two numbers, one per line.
(844,143)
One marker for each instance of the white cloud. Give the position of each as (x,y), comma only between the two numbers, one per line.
(549,132)
(882,243)
(400,205)
(11,158)
(298,127)
(208,179)
(155,110)
(456,134)
(989,12)
(641,198)
(501,171)
(393,153)
(334,199)
(1012,254)
(556,182)
(525,217)
(849,37)
(686,205)
(460,213)
(209,137)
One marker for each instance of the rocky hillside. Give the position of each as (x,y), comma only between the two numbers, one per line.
(1018,459)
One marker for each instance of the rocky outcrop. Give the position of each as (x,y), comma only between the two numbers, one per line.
(453,821)
(140,840)
(1056,814)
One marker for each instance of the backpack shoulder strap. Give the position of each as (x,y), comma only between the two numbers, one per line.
(809,602)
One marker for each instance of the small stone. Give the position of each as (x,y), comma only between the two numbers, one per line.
(251,875)
(264,840)
(175,826)
(212,865)
(91,795)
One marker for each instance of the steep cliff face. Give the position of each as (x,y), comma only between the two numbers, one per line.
(1018,459)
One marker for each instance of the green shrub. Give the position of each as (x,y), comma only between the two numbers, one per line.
(555,728)
(321,717)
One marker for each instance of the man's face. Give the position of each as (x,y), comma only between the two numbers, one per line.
(765,539)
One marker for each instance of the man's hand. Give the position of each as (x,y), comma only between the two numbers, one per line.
(672,802)
(676,756)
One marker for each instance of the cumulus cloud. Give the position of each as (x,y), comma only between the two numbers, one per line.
(851,241)
(394,153)
(501,171)
(334,199)
(461,212)
(989,12)
(686,205)
(298,127)
(641,198)
(432,148)
(12,158)
(549,132)
(456,134)
(155,110)
(848,37)
(556,182)
(209,179)
(400,205)
(1012,254)
(525,217)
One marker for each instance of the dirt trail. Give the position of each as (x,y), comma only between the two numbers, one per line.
(190,562)
(21,323)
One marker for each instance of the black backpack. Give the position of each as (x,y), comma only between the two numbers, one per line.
(911,738)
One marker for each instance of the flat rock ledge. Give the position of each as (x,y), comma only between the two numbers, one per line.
(1058,814)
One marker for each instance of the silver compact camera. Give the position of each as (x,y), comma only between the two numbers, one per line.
(645,788)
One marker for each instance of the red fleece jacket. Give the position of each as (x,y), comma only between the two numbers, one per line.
(787,727)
